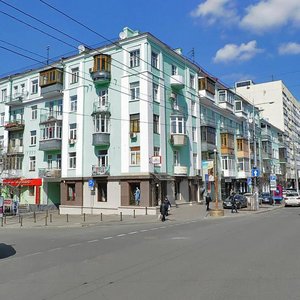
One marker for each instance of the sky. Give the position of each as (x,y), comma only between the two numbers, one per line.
(231,39)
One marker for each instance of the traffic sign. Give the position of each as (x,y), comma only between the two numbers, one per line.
(273,178)
(255,172)
(91,183)
(249,181)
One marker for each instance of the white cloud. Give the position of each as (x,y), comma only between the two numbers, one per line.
(269,14)
(215,10)
(241,52)
(289,48)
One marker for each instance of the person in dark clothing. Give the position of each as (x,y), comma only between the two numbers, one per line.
(233,204)
(168,203)
(207,200)
(163,210)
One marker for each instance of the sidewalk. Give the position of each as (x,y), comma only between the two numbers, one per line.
(182,213)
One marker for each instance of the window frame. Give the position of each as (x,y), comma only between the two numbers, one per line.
(134,58)
(72,160)
(74,75)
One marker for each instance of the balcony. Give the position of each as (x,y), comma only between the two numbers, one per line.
(101,71)
(16,99)
(50,144)
(51,117)
(15,125)
(15,150)
(51,83)
(177,81)
(12,173)
(229,173)
(180,170)
(101,139)
(178,140)
(207,147)
(266,135)
(266,155)
(49,173)
(100,108)
(100,170)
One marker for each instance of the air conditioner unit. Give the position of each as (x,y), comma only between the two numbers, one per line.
(133,135)
(173,96)
(72,141)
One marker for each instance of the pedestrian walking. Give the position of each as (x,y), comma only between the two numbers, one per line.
(168,204)
(207,200)
(137,196)
(163,210)
(233,204)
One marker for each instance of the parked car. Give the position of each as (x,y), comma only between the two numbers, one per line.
(241,201)
(292,198)
(265,198)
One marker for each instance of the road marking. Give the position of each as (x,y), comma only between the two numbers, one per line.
(122,234)
(32,254)
(54,249)
(74,245)
(93,241)
(108,238)
(144,230)
(133,232)
(163,227)
(155,228)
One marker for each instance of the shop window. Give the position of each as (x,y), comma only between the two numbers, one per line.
(71,192)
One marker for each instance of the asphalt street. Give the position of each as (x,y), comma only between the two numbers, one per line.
(247,256)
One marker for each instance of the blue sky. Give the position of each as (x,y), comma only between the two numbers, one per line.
(232,39)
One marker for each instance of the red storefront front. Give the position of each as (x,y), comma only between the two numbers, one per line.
(22,182)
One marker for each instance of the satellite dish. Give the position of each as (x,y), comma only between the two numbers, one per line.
(81,48)
(122,35)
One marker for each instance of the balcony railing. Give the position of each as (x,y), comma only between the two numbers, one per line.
(49,173)
(180,170)
(101,71)
(99,107)
(16,98)
(178,139)
(50,144)
(51,117)
(14,125)
(51,82)
(15,150)
(100,170)
(101,138)
(177,81)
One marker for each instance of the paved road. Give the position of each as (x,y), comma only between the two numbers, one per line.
(248,256)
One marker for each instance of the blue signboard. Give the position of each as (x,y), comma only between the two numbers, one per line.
(249,181)
(255,172)
(206,177)
(91,183)
(273,178)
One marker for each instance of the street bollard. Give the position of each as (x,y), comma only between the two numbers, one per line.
(46,219)
(34,217)
(121,217)
(46,213)
(4,219)
(101,217)
(20,218)
(21,221)
(50,218)
(146,210)
(134,213)
(1,221)
(67,218)
(84,217)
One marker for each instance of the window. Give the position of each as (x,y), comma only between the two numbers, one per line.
(103,98)
(71,192)
(135,123)
(102,158)
(3,95)
(194,134)
(154,60)
(174,70)
(135,90)
(193,108)
(74,75)
(238,106)
(192,81)
(73,103)
(49,161)
(208,134)
(32,163)
(51,131)
(177,125)
(72,160)
(135,156)
(155,92)
(33,137)
(73,131)
(101,123)
(102,192)
(34,112)
(195,159)
(23,88)
(58,161)
(134,58)
(2,116)
(156,151)
(156,123)
(176,158)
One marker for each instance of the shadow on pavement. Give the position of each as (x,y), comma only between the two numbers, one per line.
(6,251)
